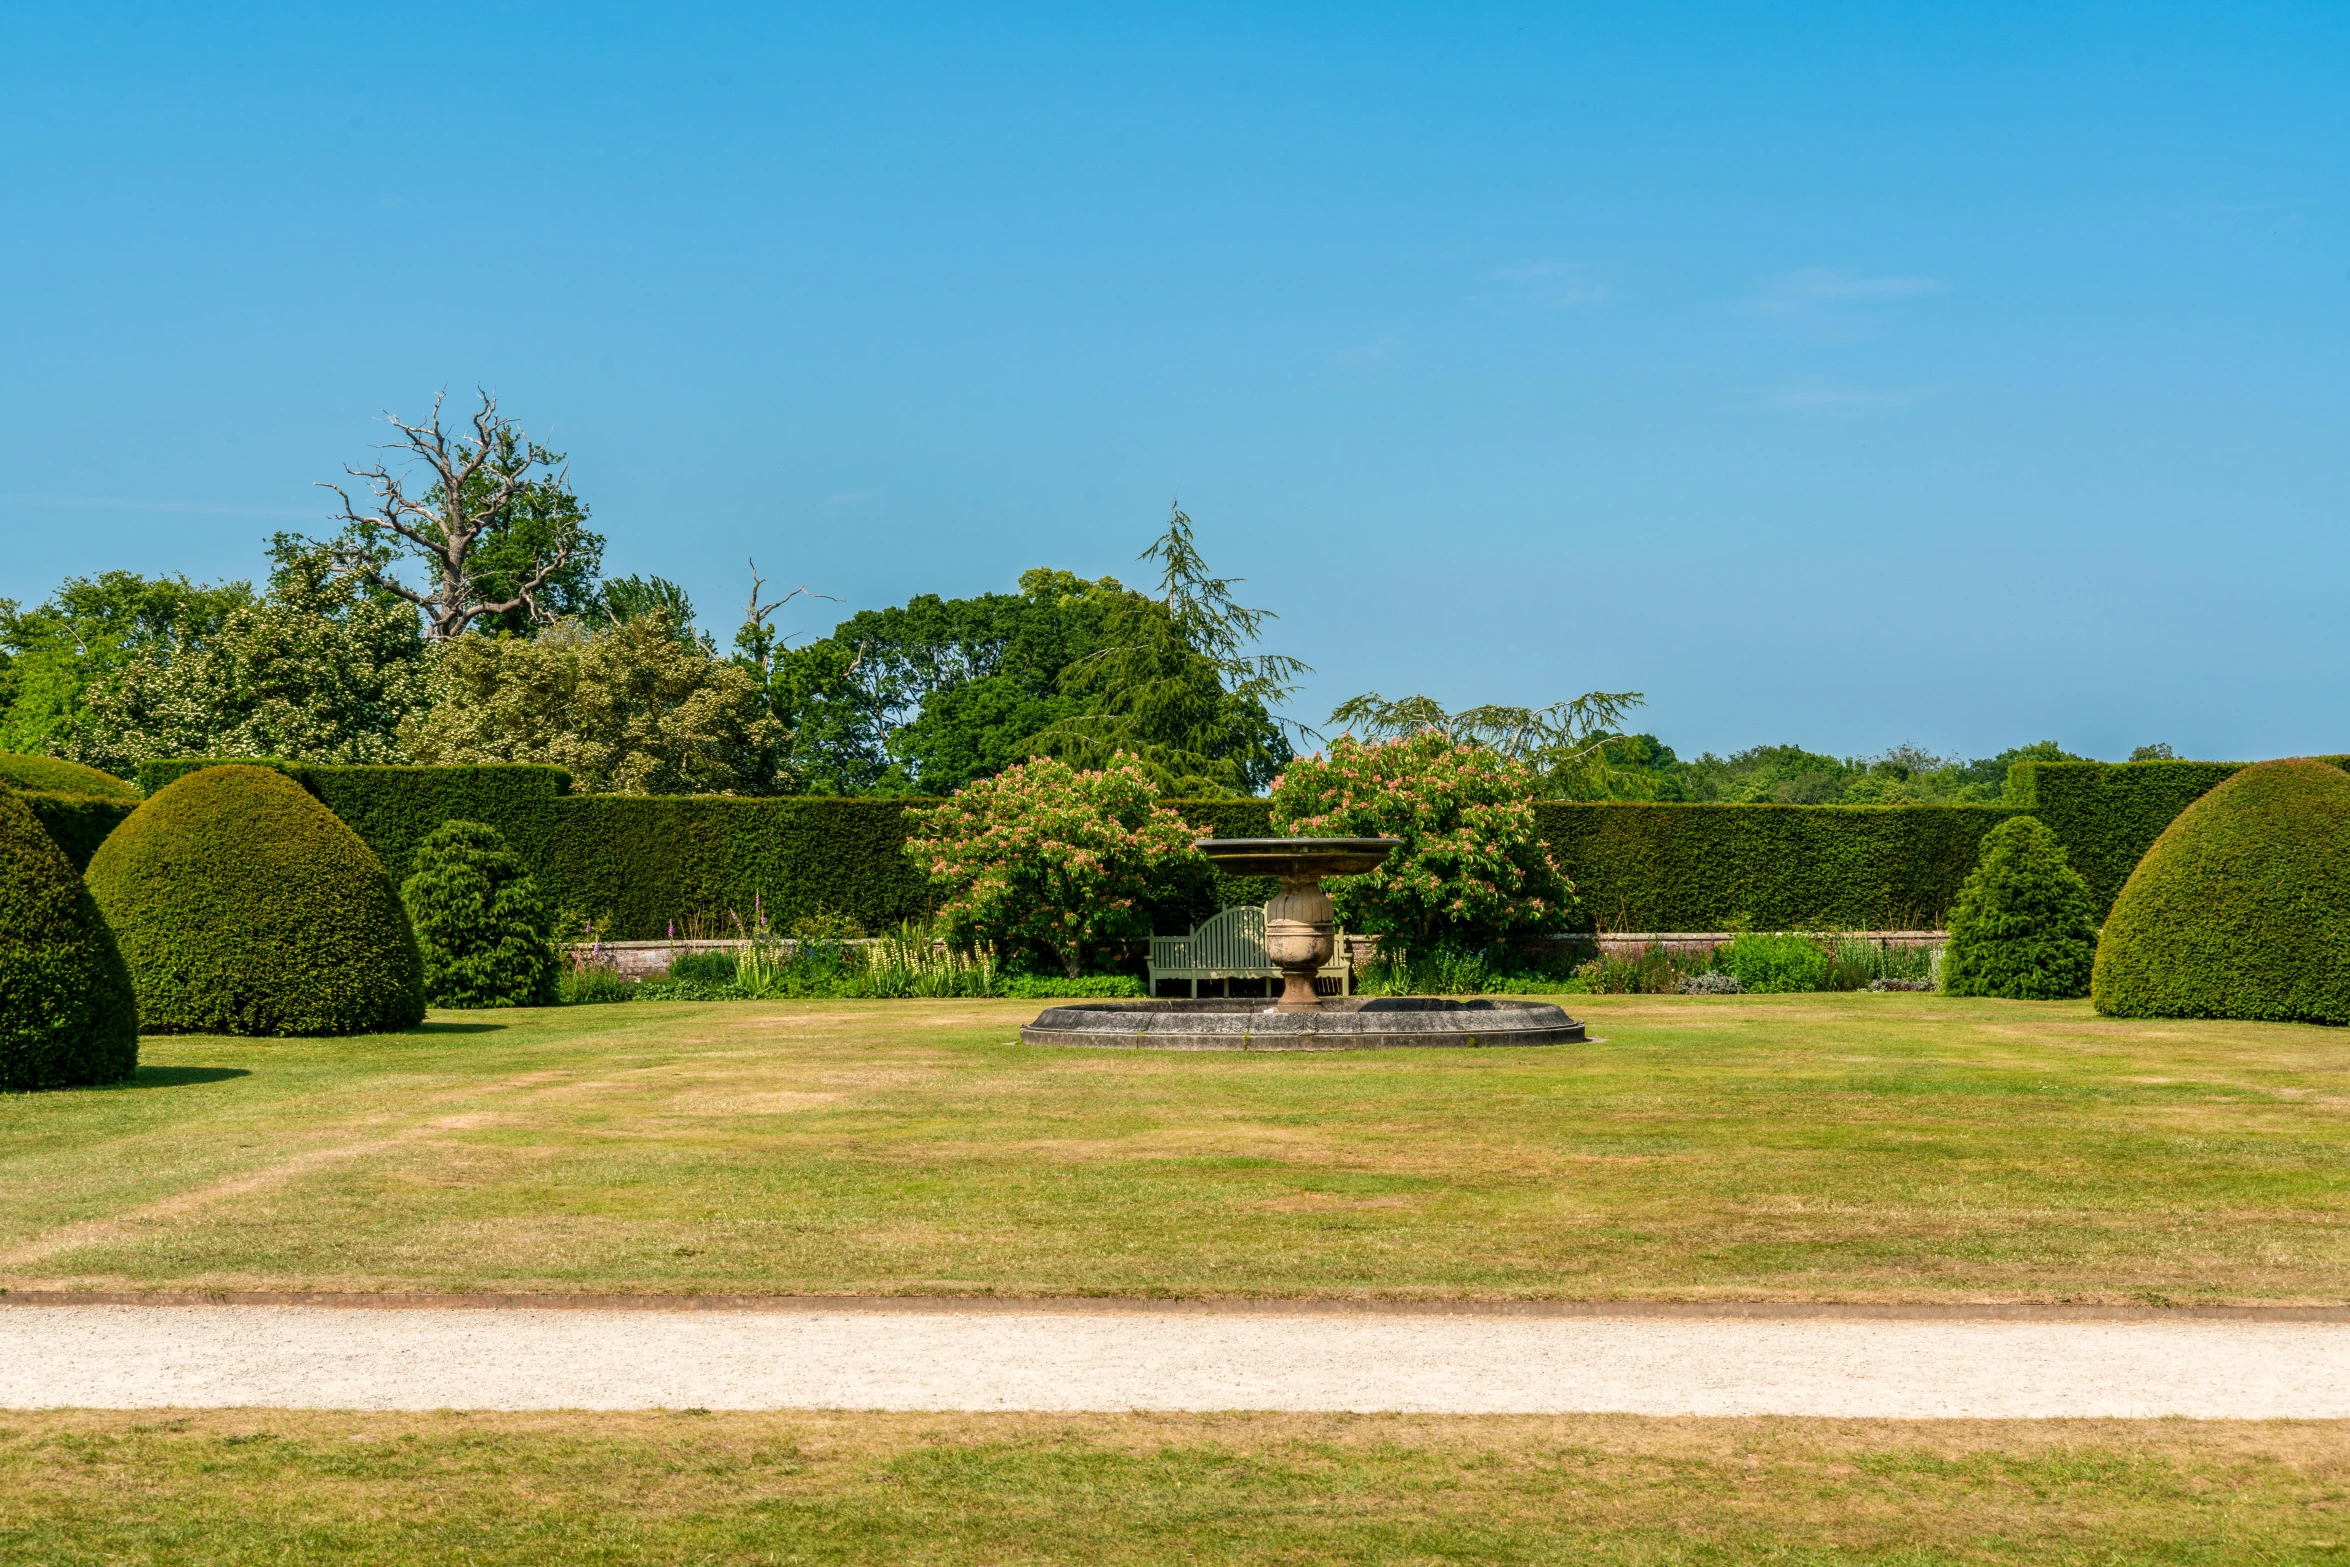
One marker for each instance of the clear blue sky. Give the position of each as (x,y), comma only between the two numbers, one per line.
(1848,375)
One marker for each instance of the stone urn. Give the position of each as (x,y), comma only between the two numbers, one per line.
(1301,931)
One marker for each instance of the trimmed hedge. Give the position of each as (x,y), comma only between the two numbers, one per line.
(67,1016)
(1773,867)
(393,808)
(79,822)
(636,862)
(244,906)
(54,775)
(2107,814)
(2242,907)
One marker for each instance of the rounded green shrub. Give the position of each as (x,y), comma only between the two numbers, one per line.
(2241,909)
(2023,926)
(244,906)
(67,1016)
(55,775)
(484,933)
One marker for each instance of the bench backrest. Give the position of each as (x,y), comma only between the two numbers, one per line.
(1234,938)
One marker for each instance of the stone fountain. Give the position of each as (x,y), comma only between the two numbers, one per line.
(1300,937)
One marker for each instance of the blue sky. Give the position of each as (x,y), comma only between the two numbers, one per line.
(1848,375)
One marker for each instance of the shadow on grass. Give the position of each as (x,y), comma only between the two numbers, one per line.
(175,1076)
(458,1028)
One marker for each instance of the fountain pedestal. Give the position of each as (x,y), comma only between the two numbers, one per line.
(1301,930)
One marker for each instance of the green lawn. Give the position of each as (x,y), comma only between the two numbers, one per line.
(280,1488)
(1858,1147)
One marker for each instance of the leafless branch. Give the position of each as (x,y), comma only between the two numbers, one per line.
(473,484)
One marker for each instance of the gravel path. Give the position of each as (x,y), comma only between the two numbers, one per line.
(311,1357)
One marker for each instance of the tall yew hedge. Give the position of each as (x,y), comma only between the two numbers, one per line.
(1714,867)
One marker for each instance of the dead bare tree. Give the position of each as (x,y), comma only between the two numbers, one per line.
(473,484)
(758,641)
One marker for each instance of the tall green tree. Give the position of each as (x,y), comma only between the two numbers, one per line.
(318,670)
(54,656)
(628,708)
(936,693)
(1176,684)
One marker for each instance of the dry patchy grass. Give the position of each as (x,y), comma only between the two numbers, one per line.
(1795,1147)
(249,1486)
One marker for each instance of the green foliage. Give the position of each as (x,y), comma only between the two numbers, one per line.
(1642,767)
(318,671)
(67,1016)
(2107,814)
(78,823)
(592,984)
(2241,909)
(907,963)
(77,805)
(1451,967)
(633,598)
(54,775)
(2021,927)
(626,708)
(1773,963)
(1641,867)
(1566,743)
(53,657)
(1045,858)
(928,696)
(1762,961)
(244,906)
(1055,987)
(540,516)
(1173,685)
(480,925)
(939,692)
(1473,863)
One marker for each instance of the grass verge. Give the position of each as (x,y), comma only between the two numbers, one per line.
(236,1487)
(1822,1147)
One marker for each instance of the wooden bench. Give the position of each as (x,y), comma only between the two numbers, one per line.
(1231,945)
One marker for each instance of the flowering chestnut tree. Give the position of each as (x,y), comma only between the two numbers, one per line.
(1471,865)
(1045,856)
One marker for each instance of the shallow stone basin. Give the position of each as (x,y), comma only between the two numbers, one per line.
(1351,1023)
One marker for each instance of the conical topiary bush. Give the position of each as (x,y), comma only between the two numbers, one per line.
(244,906)
(483,931)
(66,1013)
(2241,909)
(2022,927)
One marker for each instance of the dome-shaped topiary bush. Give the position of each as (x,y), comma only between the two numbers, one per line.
(55,775)
(479,922)
(67,1016)
(2241,909)
(244,906)
(2023,926)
